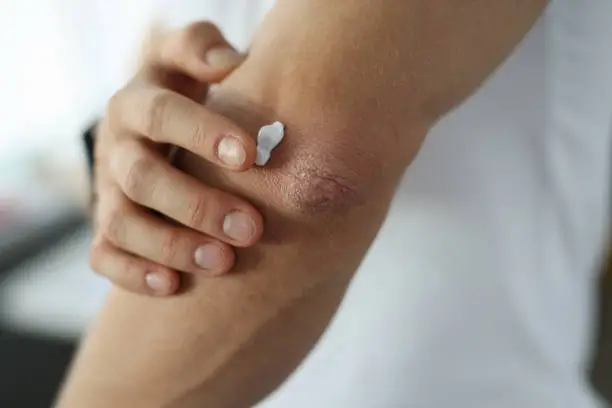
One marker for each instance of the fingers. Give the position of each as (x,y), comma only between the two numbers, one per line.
(198,50)
(132,273)
(167,117)
(140,233)
(150,181)
(134,248)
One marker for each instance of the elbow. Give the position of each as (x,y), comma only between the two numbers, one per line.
(319,186)
(330,175)
(316,192)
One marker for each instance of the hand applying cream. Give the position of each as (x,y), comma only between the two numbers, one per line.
(268,138)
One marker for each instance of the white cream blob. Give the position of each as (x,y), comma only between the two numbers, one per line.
(268,138)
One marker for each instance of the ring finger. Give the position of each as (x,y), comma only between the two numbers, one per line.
(141,233)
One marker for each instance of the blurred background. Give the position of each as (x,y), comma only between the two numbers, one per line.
(62,60)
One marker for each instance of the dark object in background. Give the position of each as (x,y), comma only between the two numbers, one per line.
(31,369)
(602,370)
(26,237)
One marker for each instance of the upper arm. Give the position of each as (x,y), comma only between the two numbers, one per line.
(358,84)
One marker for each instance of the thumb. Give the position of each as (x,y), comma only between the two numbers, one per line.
(199,51)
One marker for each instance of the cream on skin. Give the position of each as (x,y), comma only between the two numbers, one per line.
(268,138)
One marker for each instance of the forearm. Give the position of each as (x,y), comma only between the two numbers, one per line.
(358,87)
(226,342)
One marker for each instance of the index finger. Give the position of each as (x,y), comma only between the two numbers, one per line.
(164,116)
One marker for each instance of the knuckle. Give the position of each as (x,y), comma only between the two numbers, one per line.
(170,248)
(134,184)
(94,265)
(96,254)
(228,259)
(132,269)
(198,135)
(155,114)
(114,109)
(112,225)
(197,209)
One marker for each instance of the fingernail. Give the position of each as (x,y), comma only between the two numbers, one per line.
(208,256)
(239,226)
(223,57)
(231,152)
(157,282)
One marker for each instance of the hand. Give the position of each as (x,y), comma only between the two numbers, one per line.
(134,247)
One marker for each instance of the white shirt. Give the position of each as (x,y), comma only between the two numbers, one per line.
(479,292)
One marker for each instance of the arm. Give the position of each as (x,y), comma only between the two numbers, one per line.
(358,84)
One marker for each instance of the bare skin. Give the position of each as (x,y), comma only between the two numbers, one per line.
(133,247)
(357,108)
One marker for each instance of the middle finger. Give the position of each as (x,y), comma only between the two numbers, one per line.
(164,116)
(148,179)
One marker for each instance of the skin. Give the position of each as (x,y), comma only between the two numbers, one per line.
(356,108)
(133,247)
